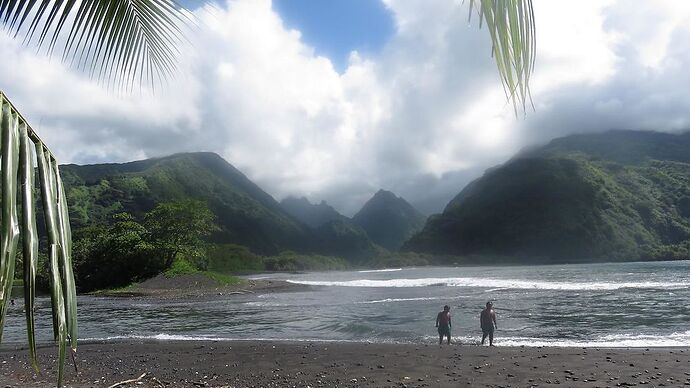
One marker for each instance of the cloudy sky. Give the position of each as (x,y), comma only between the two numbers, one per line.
(336,99)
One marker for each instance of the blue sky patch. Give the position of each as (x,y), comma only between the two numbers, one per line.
(337,27)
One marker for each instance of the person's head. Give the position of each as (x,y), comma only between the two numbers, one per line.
(489,304)
(446,308)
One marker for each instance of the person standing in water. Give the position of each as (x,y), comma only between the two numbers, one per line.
(443,324)
(487,320)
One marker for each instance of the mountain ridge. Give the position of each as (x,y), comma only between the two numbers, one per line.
(619,195)
(246,214)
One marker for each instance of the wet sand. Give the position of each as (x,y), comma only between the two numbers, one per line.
(318,364)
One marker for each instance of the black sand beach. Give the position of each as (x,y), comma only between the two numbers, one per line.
(314,364)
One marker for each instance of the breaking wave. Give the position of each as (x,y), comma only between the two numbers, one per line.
(392,300)
(495,284)
(677,339)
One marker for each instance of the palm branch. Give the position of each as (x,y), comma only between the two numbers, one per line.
(124,40)
(512,30)
(17,177)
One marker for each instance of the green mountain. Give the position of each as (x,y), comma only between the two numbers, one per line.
(619,195)
(388,220)
(246,214)
(334,233)
(313,215)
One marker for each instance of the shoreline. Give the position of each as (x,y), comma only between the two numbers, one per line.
(346,364)
(195,286)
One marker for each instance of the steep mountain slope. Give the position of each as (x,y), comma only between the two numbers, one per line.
(246,214)
(313,215)
(620,195)
(388,220)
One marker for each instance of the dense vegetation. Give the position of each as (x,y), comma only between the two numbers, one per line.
(621,195)
(117,254)
(131,221)
(245,214)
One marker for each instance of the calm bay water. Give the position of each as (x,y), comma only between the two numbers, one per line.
(632,304)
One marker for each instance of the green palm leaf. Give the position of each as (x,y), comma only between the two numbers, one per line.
(9,125)
(512,30)
(123,40)
(17,162)
(57,299)
(29,236)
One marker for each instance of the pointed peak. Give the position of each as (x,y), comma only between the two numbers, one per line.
(385,194)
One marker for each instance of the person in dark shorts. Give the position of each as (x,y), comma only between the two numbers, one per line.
(443,324)
(487,320)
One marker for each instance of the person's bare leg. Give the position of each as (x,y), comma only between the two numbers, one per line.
(440,339)
(448,339)
(491,338)
(483,337)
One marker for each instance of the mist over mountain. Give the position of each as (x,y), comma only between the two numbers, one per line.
(619,195)
(313,215)
(389,220)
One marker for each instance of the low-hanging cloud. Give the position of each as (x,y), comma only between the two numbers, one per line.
(421,118)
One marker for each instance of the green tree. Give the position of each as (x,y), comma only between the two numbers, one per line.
(115,255)
(179,228)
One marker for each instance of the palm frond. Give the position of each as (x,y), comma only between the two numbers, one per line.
(512,30)
(9,236)
(17,161)
(29,236)
(113,40)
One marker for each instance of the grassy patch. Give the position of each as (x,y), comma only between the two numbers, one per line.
(180,267)
(183,267)
(117,290)
(222,279)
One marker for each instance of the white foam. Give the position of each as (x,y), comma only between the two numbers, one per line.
(381,270)
(264,304)
(610,341)
(180,337)
(677,339)
(392,300)
(495,284)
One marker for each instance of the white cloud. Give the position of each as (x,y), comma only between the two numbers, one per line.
(420,118)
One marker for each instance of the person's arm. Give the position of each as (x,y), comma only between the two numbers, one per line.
(449,325)
(493,316)
(437,317)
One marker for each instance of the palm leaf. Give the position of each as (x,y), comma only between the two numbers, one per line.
(65,239)
(512,30)
(9,126)
(29,236)
(56,291)
(121,40)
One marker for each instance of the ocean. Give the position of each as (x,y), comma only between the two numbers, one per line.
(592,305)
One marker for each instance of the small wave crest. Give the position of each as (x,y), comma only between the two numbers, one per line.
(677,339)
(494,284)
(393,300)
(381,270)
(180,337)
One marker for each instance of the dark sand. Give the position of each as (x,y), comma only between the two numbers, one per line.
(282,364)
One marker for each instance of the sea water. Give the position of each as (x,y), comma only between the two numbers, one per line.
(603,305)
